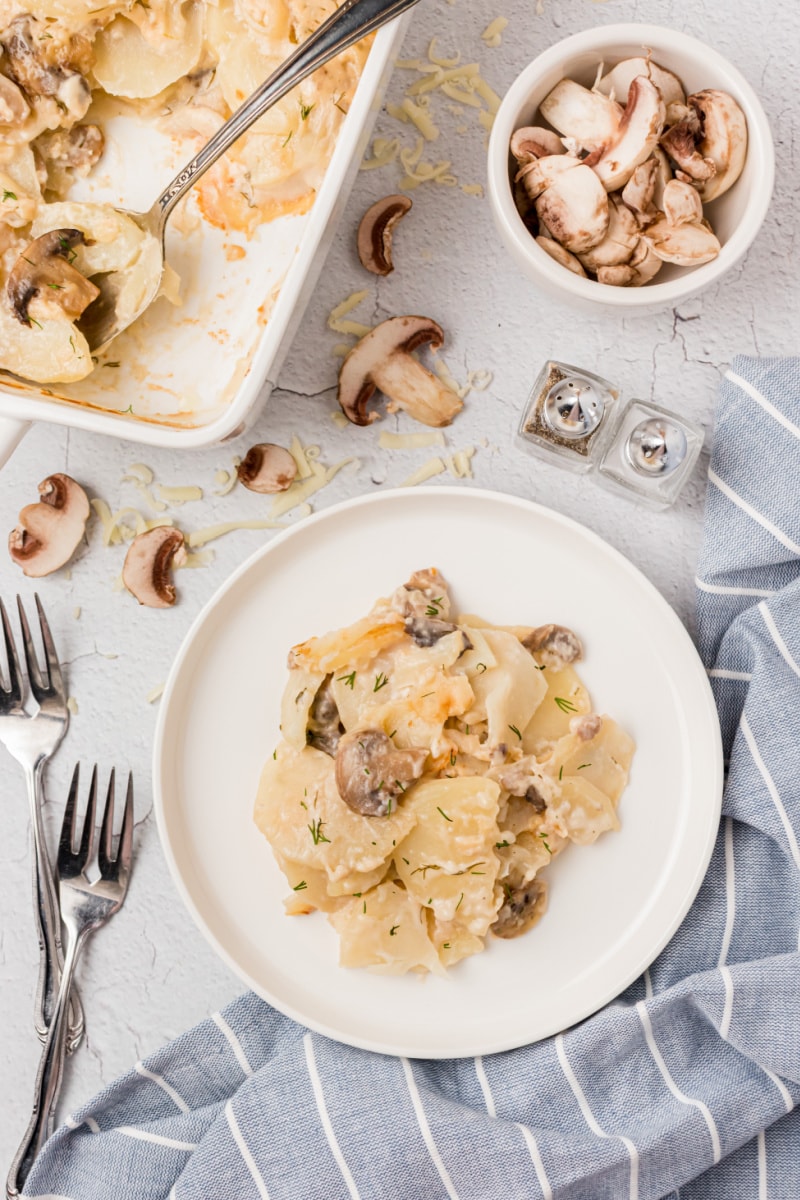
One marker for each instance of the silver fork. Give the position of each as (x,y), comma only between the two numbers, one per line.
(32,739)
(85,906)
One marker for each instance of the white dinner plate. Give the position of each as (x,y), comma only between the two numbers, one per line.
(613,906)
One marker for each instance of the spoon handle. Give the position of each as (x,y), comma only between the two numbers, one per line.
(351,21)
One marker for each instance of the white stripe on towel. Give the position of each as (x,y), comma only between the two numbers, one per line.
(162,1083)
(762,1165)
(156,1138)
(730,892)
(766,404)
(244,1150)
(720,589)
(536,1159)
(771,788)
(724,673)
(89,1122)
(233,1041)
(322,1108)
(776,637)
(425,1130)
(672,1085)
(724,1029)
(758,517)
(488,1098)
(583,1104)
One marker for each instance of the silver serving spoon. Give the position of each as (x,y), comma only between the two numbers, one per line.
(353,20)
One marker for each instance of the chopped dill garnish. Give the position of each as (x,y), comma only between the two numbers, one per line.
(315,829)
(481,667)
(358,894)
(393,930)
(581,767)
(424,870)
(452,758)
(561,772)
(381,681)
(544,841)
(565,705)
(349,680)
(445,945)
(460,898)
(501,845)
(305,109)
(300,887)
(7,195)
(514,729)
(287,139)
(444,814)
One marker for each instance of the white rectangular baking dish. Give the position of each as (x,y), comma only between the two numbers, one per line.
(224,346)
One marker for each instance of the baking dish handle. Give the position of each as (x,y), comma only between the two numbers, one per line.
(11,434)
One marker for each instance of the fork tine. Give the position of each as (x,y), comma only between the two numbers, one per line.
(34,674)
(87,838)
(104,860)
(67,838)
(51,656)
(14,692)
(125,849)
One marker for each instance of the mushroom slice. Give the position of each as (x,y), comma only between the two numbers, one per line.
(267,468)
(620,241)
(681,144)
(586,726)
(48,532)
(521,910)
(14,108)
(586,116)
(44,272)
(555,645)
(324,730)
(619,79)
(682,203)
(571,202)
(46,60)
(383,359)
(619,275)
(662,178)
(533,141)
(147,570)
(371,773)
(687,245)
(638,191)
(560,255)
(76,149)
(645,264)
(636,137)
(723,140)
(526,779)
(374,242)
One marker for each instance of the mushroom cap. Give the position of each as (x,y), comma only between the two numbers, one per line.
(563,257)
(574,207)
(371,772)
(637,135)
(639,190)
(147,570)
(588,117)
(522,908)
(555,644)
(680,143)
(374,240)
(14,108)
(398,335)
(724,138)
(534,141)
(619,79)
(682,203)
(619,242)
(267,468)
(687,245)
(49,531)
(44,269)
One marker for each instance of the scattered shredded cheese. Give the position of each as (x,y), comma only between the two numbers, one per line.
(442,62)
(459,464)
(493,33)
(139,473)
(179,495)
(211,532)
(300,491)
(76,612)
(155,693)
(227,481)
(420,117)
(72,705)
(202,558)
(341,350)
(384,152)
(336,320)
(472,189)
(338,417)
(434,466)
(410,441)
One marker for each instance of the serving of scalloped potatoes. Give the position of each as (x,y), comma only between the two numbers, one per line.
(430,769)
(184,66)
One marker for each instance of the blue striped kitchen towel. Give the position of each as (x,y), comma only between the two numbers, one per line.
(686,1085)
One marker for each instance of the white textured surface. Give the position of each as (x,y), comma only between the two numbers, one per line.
(150,974)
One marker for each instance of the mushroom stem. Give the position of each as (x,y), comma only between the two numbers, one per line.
(413,387)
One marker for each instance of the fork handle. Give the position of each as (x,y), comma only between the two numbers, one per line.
(48,924)
(48,1077)
(351,21)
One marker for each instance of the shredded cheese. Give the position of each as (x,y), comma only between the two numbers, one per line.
(442,62)
(76,613)
(138,472)
(410,441)
(300,491)
(419,116)
(72,705)
(459,464)
(384,152)
(336,320)
(493,33)
(201,536)
(155,693)
(434,466)
(179,495)
(202,558)
(338,417)
(472,189)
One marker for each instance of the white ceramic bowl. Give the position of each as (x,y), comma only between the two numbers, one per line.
(736,216)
